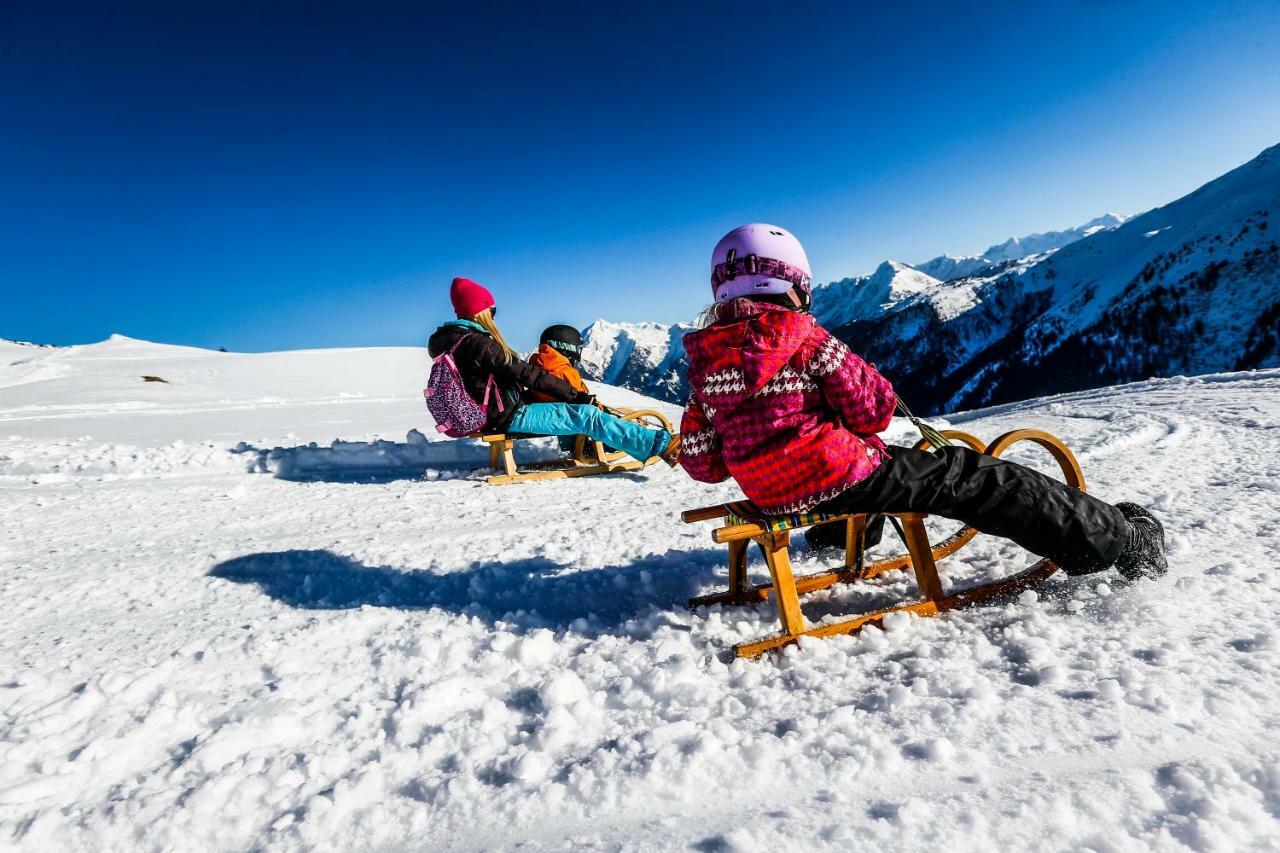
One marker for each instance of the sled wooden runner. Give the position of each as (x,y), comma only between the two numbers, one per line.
(773,535)
(588,457)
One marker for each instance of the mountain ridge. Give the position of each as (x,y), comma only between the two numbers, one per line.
(1190,286)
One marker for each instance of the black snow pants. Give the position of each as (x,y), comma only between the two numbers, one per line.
(1049,518)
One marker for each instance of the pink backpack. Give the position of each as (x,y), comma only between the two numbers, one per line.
(456,412)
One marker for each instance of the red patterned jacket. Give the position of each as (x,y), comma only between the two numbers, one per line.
(783,407)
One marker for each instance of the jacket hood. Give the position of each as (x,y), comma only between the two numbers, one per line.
(448,333)
(758,345)
(468,326)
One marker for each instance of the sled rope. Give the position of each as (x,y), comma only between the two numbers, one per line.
(930,434)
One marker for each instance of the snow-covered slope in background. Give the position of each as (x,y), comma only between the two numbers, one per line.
(297,413)
(14,350)
(1191,287)
(204,657)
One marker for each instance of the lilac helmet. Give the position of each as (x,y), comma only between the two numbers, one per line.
(759,259)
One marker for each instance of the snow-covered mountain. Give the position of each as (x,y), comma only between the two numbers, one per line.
(867,296)
(1192,287)
(946,267)
(264,605)
(649,357)
(645,357)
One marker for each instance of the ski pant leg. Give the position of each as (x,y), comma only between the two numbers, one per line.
(638,442)
(1077,531)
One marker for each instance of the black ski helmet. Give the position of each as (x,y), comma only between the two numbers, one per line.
(565,339)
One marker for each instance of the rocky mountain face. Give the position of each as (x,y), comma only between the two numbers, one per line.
(644,357)
(1192,287)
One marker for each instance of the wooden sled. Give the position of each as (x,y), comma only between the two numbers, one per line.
(773,535)
(588,457)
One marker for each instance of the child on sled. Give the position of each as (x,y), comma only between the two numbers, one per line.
(558,353)
(492,373)
(790,413)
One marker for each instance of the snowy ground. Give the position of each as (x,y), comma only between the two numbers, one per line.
(217,636)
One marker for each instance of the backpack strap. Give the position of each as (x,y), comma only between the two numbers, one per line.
(489,386)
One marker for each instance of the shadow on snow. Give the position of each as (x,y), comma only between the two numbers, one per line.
(382,461)
(526,594)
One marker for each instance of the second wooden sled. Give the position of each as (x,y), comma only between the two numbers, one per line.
(588,457)
(772,534)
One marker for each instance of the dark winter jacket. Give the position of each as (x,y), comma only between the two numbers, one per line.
(479,356)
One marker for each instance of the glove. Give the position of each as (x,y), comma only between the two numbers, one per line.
(584,398)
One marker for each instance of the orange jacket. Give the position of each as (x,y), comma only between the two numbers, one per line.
(556,364)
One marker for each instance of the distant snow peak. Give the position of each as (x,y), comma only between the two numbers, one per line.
(862,297)
(1188,288)
(646,357)
(947,267)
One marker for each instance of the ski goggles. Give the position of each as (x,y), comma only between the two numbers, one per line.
(734,266)
(565,347)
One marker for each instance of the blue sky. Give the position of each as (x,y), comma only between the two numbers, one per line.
(315,174)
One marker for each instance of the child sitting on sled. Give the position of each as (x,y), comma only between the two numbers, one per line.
(790,413)
(492,373)
(559,350)
(558,353)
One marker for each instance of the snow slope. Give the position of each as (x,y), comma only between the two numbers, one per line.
(197,656)
(289,412)
(1191,287)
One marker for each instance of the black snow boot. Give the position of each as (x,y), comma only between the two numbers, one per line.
(1143,556)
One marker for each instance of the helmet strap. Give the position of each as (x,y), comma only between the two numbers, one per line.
(800,300)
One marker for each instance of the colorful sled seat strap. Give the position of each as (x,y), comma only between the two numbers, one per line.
(746,512)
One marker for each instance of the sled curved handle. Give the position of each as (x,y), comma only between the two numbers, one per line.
(1061,454)
(955,435)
